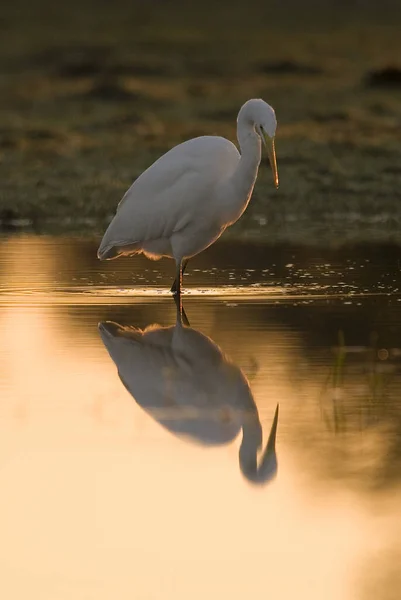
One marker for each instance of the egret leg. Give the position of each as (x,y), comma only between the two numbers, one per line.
(181,314)
(178,278)
(177,292)
(174,286)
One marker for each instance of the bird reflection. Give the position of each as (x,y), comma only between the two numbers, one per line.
(184,381)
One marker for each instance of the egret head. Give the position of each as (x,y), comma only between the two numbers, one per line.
(261,116)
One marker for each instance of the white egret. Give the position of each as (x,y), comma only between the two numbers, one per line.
(184,381)
(185,200)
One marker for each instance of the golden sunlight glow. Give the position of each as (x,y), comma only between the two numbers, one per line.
(98,500)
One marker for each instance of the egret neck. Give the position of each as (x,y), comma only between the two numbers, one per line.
(243,179)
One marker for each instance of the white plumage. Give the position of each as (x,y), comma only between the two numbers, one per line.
(184,201)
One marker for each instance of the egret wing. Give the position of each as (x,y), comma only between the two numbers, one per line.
(163,199)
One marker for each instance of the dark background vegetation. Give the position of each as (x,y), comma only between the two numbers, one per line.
(91,92)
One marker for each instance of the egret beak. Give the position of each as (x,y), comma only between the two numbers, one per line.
(268,142)
(271,152)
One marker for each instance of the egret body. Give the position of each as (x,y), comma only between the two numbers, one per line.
(185,200)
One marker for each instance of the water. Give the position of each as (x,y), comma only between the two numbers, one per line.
(140,486)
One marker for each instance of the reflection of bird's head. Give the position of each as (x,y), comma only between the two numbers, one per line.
(251,443)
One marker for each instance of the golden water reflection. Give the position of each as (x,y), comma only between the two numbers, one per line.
(99,499)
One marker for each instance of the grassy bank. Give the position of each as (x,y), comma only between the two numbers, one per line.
(92,94)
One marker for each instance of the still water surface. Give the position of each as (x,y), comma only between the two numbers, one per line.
(158,481)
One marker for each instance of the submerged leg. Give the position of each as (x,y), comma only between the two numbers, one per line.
(174,286)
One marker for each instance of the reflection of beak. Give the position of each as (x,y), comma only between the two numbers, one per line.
(271,152)
(273,431)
